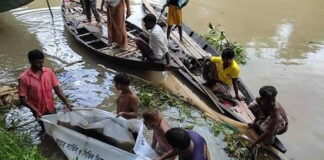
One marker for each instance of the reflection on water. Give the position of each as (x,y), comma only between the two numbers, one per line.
(49,33)
(282,36)
(257,22)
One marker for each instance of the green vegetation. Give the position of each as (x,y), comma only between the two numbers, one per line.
(14,146)
(218,40)
(236,146)
(151,97)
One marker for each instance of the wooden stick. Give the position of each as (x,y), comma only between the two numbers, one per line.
(55,70)
(49,7)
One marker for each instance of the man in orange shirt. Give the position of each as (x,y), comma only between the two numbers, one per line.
(36,85)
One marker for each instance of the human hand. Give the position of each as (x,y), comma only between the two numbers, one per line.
(285,129)
(128,13)
(120,114)
(157,158)
(183,5)
(250,125)
(240,98)
(250,146)
(38,115)
(69,106)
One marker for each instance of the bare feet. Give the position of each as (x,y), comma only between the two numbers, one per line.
(98,24)
(123,48)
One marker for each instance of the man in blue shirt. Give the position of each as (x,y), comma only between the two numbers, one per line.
(189,144)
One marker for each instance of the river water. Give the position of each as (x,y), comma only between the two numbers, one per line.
(284,41)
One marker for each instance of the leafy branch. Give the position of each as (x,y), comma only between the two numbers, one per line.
(218,40)
(236,146)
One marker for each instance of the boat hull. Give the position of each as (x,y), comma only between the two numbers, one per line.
(96,42)
(238,112)
(78,146)
(6,5)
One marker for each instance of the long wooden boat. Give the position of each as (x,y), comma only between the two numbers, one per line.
(6,5)
(198,49)
(86,134)
(96,39)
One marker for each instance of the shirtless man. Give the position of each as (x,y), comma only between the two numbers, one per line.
(127,102)
(189,145)
(271,118)
(153,120)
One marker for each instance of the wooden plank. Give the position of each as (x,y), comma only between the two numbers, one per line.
(190,49)
(111,52)
(195,45)
(120,54)
(102,49)
(128,54)
(96,40)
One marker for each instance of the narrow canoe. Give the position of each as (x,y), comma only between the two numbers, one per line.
(198,49)
(96,39)
(6,5)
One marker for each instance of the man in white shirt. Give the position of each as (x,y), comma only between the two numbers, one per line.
(156,46)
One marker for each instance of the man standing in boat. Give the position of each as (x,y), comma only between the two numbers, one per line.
(91,5)
(271,118)
(154,47)
(116,21)
(127,102)
(36,85)
(222,72)
(175,15)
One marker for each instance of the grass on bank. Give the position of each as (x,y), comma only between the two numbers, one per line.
(17,146)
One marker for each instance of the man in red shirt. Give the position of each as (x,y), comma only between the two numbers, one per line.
(36,85)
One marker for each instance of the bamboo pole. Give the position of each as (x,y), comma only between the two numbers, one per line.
(49,7)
